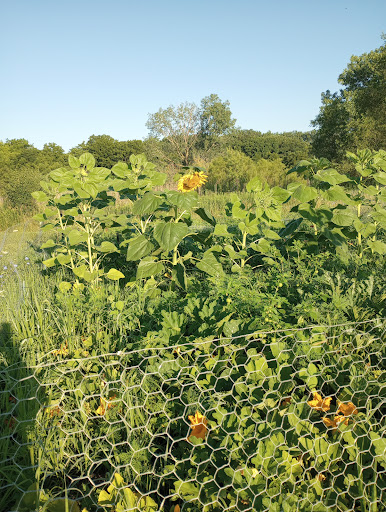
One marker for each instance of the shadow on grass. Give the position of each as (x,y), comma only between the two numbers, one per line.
(19,405)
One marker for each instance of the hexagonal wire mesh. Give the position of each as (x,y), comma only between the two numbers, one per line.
(275,421)
(272,421)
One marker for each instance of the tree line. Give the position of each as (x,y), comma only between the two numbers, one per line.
(206,135)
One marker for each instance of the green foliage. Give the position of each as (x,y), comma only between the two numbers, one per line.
(242,323)
(178,133)
(22,167)
(231,172)
(355,117)
(107,150)
(289,147)
(215,120)
(345,221)
(79,206)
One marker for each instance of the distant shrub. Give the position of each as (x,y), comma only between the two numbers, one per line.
(17,191)
(231,172)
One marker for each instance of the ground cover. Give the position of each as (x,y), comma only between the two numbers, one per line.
(173,355)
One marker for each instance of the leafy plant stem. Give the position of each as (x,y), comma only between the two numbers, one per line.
(360,484)
(243,246)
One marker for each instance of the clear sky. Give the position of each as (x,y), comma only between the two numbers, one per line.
(70,69)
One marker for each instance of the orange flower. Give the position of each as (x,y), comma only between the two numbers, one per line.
(320,404)
(54,410)
(321,477)
(176,508)
(63,351)
(335,422)
(10,422)
(104,404)
(347,409)
(198,424)
(286,401)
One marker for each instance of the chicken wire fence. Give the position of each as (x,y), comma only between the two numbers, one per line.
(274,421)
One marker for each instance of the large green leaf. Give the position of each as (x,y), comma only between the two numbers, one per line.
(91,189)
(210,265)
(184,201)
(221,230)
(114,274)
(158,179)
(179,275)
(331,176)
(63,259)
(120,169)
(99,174)
(107,247)
(336,193)
(290,228)
(380,216)
(170,234)
(280,194)
(305,194)
(76,237)
(206,216)
(343,217)
(73,162)
(148,267)
(254,185)
(48,244)
(87,160)
(377,246)
(138,248)
(81,192)
(40,196)
(147,205)
(263,246)
(380,177)
(58,174)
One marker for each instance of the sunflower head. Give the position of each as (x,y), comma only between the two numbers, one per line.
(192,181)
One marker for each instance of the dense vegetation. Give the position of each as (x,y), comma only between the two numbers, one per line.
(142,320)
(164,350)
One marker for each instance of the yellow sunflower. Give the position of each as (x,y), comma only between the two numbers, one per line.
(191,181)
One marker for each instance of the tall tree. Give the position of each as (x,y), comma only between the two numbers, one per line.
(107,151)
(355,117)
(177,132)
(179,127)
(215,119)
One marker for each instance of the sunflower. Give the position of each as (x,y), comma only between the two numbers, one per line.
(191,181)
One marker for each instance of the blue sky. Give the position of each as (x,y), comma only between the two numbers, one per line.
(70,69)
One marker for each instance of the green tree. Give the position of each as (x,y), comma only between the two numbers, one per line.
(22,166)
(215,119)
(355,117)
(179,133)
(107,151)
(289,147)
(178,127)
